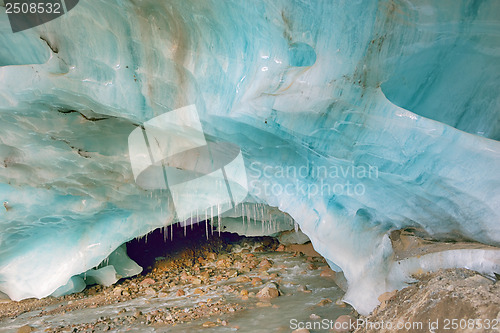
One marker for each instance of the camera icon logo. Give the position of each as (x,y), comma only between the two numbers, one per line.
(171,152)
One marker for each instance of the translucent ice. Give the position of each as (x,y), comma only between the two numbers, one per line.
(355,118)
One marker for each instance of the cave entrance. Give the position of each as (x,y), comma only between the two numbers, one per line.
(188,243)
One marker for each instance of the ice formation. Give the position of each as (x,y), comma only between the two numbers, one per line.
(355,118)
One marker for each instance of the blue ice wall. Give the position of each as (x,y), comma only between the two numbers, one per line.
(356,118)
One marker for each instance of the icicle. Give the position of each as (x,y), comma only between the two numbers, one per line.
(219,224)
(206,228)
(191,214)
(212,214)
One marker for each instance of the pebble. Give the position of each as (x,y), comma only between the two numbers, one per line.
(327,272)
(208,324)
(256,281)
(242,279)
(180,292)
(268,292)
(25,329)
(147,282)
(263,304)
(343,323)
(150,292)
(264,264)
(303,289)
(117,291)
(387,296)
(324,302)
(196,281)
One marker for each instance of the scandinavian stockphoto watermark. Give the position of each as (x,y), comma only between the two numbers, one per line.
(350,326)
(26,14)
(171,153)
(430,325)
(310,180)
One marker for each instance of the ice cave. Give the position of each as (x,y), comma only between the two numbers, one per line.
(347,124)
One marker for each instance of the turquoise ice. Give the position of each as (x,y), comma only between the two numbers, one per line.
(355,118)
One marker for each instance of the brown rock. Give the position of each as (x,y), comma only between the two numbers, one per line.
(256,281)
(209,324)
(303,289)
(263,304)
(344,323)
(387,296)
(150,292)
(25,329)
(198,291)
(324,302)
(243,279)
(232,273)
(147,282)
(265,264)
(268,292)
(196,281)
(180,292)
(205,276)
(117,291)
(327,272)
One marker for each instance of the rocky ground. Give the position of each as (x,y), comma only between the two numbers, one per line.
(453,300)
(216,278)
(231,283)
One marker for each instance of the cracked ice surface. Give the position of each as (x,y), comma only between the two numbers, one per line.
(306,89)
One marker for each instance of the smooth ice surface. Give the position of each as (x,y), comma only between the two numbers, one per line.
(353,117)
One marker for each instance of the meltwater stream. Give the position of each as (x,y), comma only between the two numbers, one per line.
(305,282)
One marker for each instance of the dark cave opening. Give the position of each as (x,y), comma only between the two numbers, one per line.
(180,242)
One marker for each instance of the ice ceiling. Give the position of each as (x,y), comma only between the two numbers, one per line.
(355,118)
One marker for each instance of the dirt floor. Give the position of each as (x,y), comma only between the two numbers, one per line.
(453,300)
(214,280)
(189,271)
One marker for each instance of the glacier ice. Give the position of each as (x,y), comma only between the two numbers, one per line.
(355,118)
